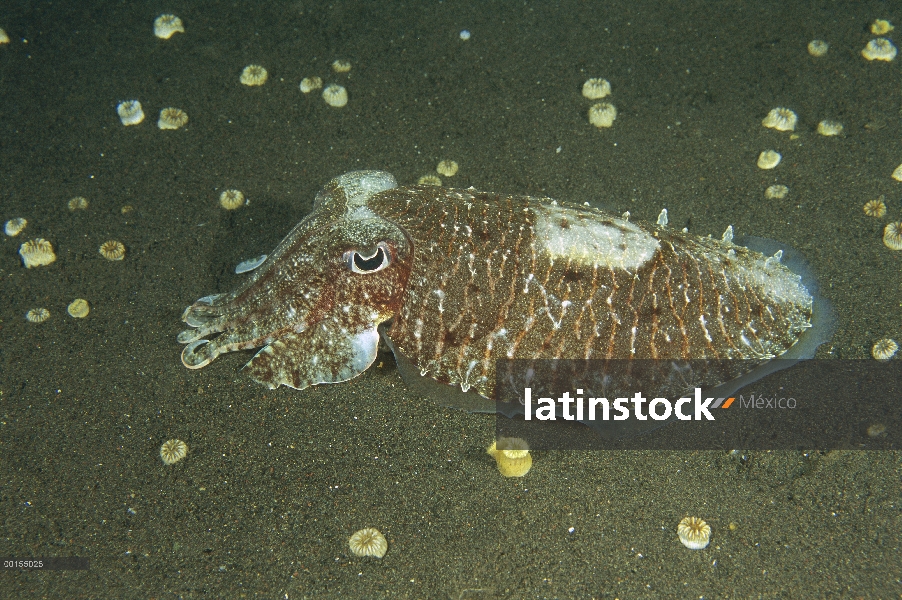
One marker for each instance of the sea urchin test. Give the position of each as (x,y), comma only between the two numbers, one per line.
(456,279)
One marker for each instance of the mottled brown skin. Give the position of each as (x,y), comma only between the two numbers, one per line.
(491,293)
(470,279)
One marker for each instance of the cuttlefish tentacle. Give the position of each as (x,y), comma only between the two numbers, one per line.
(215,305)
(204,329)
(219,312)
(193,359)
(248,329)
(208,315)
(204,323)
(252,300)
(200,352)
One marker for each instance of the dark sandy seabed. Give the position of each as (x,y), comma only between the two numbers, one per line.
(276,481)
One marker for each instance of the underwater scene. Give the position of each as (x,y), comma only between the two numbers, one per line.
(262,263)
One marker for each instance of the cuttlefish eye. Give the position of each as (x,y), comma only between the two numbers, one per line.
(361,263)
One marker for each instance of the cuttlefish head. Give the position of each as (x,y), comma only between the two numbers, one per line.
(316,302)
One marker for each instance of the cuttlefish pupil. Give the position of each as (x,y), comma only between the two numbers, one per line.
(360,263)
(458,279)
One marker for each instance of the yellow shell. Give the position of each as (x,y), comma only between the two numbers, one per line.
(130,112)
(829,128)
(818,48)
(781,119)
(341,66)
(777,191)
(892,236)
(884,349)
(308,84)
(769,159)
(37,253)
(875,208)
(368,542)
(602,114)
(511,456)
(253,75)
(78,203)
(881,26)
(167,26)
(37,315)
(335,95)
(429,180)
(172,118)
(112,250)
(694,533)
(78,308)
(879,49)
(173,451)
(15,226)
(448,168)
(897,173)
(231,199)
(596,88)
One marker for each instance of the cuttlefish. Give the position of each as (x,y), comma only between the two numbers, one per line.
(454,280)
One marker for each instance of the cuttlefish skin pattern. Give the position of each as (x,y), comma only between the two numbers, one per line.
(468,277)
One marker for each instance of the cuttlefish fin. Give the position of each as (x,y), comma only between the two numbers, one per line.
(428,387)
(324,353)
